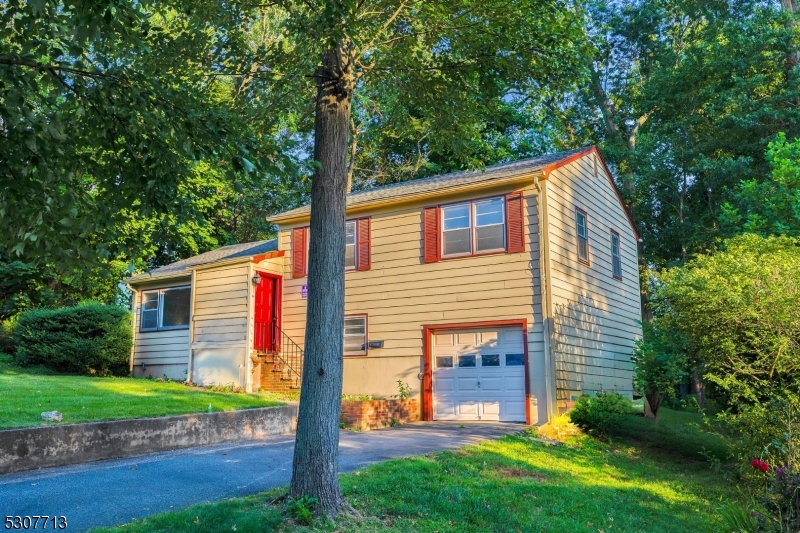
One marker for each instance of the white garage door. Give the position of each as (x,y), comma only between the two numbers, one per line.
(479,375)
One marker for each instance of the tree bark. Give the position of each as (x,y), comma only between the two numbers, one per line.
(316,451)
(652,402)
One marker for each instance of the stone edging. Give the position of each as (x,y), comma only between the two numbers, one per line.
(41,447)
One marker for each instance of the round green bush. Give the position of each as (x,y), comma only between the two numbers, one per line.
(599,413)
(93,339)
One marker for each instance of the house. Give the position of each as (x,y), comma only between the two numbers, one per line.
(500,294)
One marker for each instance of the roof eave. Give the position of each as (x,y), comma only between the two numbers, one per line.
(176,275)
(412,197)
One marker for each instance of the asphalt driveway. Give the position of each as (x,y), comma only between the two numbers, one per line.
(114,492)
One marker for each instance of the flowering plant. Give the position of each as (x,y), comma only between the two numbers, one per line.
(758,464)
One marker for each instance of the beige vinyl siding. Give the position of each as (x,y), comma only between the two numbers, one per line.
(400,294)
(596,317)
(164,353)
(219,347)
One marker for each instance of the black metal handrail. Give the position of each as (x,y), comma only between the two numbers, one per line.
(291,355)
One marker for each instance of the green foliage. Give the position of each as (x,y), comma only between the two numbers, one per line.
(771,206)
(737,517)
(598,414)
(92,339)
(683,98)
(7,344)
(302,509)
(659,365)
(403,390)
(736,311)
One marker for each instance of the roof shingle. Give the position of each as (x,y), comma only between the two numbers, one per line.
(445,181)
(225,253)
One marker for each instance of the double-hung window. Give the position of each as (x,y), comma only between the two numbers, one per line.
(582,227)
(350,250)
(165,309)
(473,227)
(355,335)
(616,257)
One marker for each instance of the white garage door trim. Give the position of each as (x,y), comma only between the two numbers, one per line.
(478,372)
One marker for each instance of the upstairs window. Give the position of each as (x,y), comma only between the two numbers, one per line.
(357,255)
(616,258)
(355,335)
(582,228)
(165,309)
(350,251)
(473,227)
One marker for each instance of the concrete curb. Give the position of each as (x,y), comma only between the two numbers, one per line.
(32,448)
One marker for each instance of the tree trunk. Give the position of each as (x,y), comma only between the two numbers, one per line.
(316,451)
(652,402)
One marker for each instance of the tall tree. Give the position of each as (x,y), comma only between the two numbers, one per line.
(449,60)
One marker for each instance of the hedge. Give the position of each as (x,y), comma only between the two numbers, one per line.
(92,339)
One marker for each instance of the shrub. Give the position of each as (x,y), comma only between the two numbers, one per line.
(7,344)
(659,365)
(90,339)
(599,413)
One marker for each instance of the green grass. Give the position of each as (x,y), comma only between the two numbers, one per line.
(26,392)
(512,484)
(677,432)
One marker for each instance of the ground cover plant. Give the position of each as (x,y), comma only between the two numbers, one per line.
(512,484)
(27,392)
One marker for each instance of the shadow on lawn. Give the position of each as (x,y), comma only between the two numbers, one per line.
(517,485)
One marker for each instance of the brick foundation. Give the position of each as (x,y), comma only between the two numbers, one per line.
(275,376)
(373,414)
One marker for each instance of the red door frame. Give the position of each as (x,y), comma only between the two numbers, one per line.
(278,307)
(427,354)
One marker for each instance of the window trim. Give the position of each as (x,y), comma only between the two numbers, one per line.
(616,234)
(473,227)
(160,319)
(365,352)
(586,261)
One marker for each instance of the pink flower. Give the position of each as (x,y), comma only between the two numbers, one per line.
(758,464)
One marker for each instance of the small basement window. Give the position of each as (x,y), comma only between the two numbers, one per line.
(165,309)
(355,335)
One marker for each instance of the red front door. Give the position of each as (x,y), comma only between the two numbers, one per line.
(266,315)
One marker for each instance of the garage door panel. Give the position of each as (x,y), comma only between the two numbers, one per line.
(491,409)
(492,383)
(443,384)
(467,384)
(468,408)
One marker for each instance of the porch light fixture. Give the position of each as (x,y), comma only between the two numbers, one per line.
(256,279)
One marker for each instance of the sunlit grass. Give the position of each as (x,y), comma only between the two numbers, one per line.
(512,484)
(26,393)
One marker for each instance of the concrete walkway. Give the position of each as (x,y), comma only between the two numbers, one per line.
(114,492)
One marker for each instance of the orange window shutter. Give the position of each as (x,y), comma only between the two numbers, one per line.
(364,247)
(515,222)
(430,234)
(299,247)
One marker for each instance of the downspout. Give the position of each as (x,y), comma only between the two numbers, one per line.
(190,364)
(133,326)
(547,309)
(248,374)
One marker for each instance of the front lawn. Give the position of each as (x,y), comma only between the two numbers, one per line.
(509,485)
(26,392)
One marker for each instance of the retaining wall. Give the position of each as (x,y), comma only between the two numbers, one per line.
(32,448)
